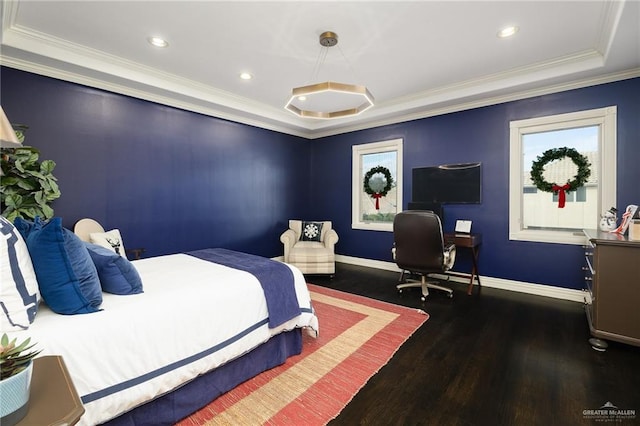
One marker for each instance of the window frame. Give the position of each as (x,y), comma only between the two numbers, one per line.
(357,181)
(606,119)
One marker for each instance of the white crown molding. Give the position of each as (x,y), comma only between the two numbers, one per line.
(558,67)
(487,101)
(39,53)
(610,20)
(77,61)
(148,93)
(479,87)
(262,121)
(499,283)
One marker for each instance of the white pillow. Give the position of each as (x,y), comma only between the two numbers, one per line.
(19,293)
(111,240)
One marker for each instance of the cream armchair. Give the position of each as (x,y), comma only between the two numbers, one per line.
(311,247)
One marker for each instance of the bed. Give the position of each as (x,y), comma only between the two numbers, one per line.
(204,323)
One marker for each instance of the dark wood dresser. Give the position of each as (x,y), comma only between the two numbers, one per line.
(612,293)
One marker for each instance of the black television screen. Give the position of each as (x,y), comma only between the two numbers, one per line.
(447,184)
(434,207)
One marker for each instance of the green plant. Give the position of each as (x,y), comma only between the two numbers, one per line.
(12,358)
(28,185)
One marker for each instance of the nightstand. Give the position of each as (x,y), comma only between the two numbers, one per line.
(53,399)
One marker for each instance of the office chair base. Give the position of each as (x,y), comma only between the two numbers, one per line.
(424,285)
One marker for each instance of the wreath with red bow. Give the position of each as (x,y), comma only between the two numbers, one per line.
(377,193)
(537,169)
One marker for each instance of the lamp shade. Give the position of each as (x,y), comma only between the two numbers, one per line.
(8,138)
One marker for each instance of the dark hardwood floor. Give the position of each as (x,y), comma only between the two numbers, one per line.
(495,358)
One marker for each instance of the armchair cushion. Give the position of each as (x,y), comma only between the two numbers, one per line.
(310,252)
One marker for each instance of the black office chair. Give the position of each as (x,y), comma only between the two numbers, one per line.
(419,250)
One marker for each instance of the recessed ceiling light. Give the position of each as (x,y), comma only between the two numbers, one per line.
(158,42)
(508,31)
(302,98)
(246,76)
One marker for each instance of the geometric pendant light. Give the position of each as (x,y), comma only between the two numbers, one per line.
(329,99)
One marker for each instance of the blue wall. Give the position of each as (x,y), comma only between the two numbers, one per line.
(173,180)
(170,180)
(470,136)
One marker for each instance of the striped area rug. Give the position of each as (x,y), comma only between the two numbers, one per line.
(358,336)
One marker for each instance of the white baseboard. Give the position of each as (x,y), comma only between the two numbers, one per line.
(510,285)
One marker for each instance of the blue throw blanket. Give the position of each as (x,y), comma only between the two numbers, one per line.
(275,277)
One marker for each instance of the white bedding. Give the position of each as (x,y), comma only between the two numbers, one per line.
(189,307)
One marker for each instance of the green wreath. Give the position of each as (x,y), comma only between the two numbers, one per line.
(373,171)
(555,154)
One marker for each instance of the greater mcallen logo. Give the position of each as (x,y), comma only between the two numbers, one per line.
(609,413)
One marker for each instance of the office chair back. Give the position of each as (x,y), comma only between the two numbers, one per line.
(419,243)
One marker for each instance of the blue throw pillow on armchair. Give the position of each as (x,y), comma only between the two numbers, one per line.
(117,275)
(67,278)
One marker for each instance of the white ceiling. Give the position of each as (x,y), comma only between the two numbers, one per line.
(417,58)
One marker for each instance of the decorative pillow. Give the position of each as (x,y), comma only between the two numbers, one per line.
(111,240)
(67,278)
(19,295)
(311,231)
(117,275)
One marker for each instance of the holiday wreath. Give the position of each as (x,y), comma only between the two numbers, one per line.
(553,154)
(377,192)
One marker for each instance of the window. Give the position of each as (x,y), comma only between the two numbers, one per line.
(533,214)
(376,212)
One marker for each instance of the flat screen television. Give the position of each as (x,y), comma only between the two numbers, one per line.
(448,184)
(434,207)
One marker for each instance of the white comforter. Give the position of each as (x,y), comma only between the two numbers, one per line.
(189,307)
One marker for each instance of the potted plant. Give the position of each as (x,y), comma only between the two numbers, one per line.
(28,185)
(15,379)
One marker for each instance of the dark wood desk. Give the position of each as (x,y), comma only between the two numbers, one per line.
(472,242)
(136,253)
(53,399)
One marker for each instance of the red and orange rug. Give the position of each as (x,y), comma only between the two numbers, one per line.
(358,336)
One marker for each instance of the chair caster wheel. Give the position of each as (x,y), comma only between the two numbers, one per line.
(424,299)
(450,295)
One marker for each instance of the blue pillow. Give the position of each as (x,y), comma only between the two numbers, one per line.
(67,278)
(117,275)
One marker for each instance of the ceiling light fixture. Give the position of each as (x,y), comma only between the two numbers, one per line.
(245,76)
(507,31)
(329,99)
(158,42)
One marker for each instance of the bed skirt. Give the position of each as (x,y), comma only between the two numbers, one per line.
(192,396)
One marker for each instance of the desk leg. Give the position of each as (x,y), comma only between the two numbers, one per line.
(474,271)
